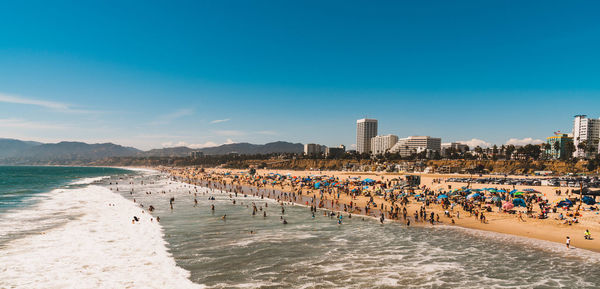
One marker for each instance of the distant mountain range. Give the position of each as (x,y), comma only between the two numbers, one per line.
(14,151)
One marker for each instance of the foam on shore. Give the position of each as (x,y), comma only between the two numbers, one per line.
(87,181)
(84,238)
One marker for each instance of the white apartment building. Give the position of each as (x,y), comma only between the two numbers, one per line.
(415,144)
(314,149)
(586,130)
(365,130)
(457,147)
(382,143)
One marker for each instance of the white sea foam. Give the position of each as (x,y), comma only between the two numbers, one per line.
(87,181)
(94,246)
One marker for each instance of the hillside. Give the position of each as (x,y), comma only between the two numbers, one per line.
(23,152)
(64,153)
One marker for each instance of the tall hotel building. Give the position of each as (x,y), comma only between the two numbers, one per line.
(365,130)
(586,130)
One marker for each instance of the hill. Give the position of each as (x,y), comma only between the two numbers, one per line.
(11,147)
(251,149)
(23,152)
(64,152)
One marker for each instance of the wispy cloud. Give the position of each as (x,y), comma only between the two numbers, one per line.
(167,118)
(194,145)
(220,120)
(24,124)
(58,106)
(524,141)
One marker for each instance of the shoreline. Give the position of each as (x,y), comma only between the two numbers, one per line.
(496,222)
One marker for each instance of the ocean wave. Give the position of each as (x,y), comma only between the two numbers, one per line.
(87,181)
(88,241)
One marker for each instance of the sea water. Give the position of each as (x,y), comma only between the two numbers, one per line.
(76,232)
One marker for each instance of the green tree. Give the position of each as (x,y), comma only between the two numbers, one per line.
(569,150)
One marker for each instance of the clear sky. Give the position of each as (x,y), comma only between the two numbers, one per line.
(160,73)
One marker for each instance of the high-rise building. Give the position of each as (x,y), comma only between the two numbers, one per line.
(416,144)
(382,143)
(365,130)
(586,131)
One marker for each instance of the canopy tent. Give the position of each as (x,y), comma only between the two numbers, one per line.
(588,192)
(588,200)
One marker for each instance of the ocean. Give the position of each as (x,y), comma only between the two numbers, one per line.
(71,227)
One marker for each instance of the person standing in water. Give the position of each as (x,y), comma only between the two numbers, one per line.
(568,242)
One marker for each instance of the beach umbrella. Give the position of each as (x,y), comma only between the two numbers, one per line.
(507,206)
(474,195)
(518,194)
(442,197)
(496,199)
(519,203)
(501,191)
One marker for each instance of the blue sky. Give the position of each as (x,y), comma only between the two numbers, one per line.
(160,73)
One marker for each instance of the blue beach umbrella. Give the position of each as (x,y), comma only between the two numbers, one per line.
(442,197)
(519,202)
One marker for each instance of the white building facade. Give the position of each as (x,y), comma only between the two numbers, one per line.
(365,130)
(455,146)
(416,144)
(382,143)
(587,131)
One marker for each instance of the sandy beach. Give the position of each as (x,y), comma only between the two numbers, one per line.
(550,229)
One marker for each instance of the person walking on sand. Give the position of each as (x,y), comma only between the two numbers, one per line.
(568,242)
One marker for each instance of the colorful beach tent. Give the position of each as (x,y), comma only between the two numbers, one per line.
(519,202)
(565,203)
